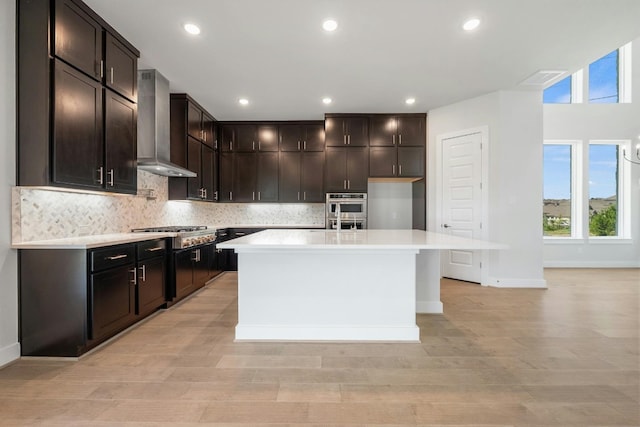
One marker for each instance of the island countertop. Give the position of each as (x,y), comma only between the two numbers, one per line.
(358,239)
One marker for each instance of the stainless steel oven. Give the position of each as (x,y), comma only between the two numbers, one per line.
(346,211)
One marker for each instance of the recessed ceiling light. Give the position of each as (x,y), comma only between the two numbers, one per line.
(329,25)
(410,101)
(327,100)
(192,29)
(471,24)
(243,101)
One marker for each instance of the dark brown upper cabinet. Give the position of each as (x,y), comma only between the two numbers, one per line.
(121,68)
(397,130)
(301,177)
(346,169)
(302,136)
(249,137)
(192,132)
(396,162)
(75,128)
(346,130)
(78,38)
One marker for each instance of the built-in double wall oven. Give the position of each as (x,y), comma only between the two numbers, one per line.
(346,211)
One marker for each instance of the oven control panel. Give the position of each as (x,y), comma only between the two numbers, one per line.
(189,241)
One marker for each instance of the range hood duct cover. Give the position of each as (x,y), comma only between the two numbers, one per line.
(153,126)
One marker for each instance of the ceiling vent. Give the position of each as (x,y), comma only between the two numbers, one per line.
(543,77)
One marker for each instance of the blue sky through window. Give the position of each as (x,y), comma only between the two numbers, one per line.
(559,93)
(557,171)
(603,79)
(603,171)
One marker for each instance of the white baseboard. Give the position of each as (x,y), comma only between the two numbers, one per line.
(516,283)
(434,307)
(591,264)
(9,353)
(409,333)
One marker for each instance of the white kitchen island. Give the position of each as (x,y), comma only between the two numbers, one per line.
(364,285)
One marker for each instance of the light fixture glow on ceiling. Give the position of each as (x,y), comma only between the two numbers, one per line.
(243,101)
(327,100)
(192,28)
(410,101)
(471,24)
(329,25)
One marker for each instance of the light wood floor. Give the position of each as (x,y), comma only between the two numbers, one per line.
(565,356)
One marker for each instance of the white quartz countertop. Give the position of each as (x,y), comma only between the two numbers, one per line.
(360,239)
(89,242)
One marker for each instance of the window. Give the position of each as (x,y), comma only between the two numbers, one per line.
(603,79)
(559,93)
(589,201)
(603,189)
(557,206)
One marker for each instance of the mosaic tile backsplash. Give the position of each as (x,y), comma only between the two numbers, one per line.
(39,214)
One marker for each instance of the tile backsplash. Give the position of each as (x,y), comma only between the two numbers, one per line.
(41,214)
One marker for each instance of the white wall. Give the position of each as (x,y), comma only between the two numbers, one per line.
(585,122)
(514,120)
(389,205)
(9,347)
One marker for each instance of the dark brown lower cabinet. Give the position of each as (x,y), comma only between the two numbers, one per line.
(190,270)
(71,300)
(112,301)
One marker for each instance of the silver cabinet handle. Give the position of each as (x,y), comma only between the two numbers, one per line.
(230,145)
(400,139)
(135,276)
(298,145)
(157,248)
(344,139)
(100,175)
(110,176)
(400,170)
(196,255)
(101,68)
(304,145)
(111,75)
(298,195)
(230,195)
(348,139)
(240,233)
(143,271)
(258,196)
(393,139)
(253,195)
(348,184)
(304,195)
(393,170)
(253,145)
(115,257)
(344,185)
(259,145)
(215,195)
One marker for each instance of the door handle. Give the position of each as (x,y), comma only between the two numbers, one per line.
(446,225)
(135,276)
(143,273)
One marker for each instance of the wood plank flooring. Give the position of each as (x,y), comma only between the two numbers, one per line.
(565,356)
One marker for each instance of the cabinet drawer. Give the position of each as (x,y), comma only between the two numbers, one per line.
(152,249)
(112,256)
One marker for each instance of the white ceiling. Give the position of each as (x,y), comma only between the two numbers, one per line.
(275,53)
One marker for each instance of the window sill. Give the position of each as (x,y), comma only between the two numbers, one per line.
(590,241)
(563,241)
(610,241)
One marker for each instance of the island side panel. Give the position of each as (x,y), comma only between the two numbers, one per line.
(327,295)
(428,281)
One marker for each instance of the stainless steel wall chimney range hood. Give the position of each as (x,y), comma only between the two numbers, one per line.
(153,126)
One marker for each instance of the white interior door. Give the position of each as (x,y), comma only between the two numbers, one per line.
(461,203)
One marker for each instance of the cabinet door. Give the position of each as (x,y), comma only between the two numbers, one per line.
(226,177)
(201,265)
(120,136)
(289,177)
(290,137)
(227,137)
(245,138)
(151,285)
(312,180)
(208,172)
(244,177)
(383,131)
(357,130)
(336,169)
(214,262)
(267,178)
(183,261)
(267,138)
(357,169)
(194,121)
(208,130)
(335,135)
(77,138)
(121,68)
(78,38)
(112,301)
(411,131)
(313,137)
(382,162)
(411,161)
(194,163)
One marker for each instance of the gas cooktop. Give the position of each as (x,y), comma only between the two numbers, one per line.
(171,229)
